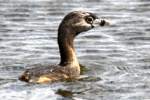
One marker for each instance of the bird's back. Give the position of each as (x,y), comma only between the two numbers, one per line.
(44,74)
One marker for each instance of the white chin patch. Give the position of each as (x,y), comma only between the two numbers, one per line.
(83,24)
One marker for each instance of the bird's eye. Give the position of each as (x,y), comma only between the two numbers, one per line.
(89,20)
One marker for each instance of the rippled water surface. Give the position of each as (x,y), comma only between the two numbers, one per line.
(117,57)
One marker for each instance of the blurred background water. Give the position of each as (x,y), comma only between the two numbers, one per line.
(117,56)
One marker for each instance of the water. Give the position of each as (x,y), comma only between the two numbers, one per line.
(117,57)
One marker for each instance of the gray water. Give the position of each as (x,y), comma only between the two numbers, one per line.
(117,57)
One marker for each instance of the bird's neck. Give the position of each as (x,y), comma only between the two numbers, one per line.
(66,47)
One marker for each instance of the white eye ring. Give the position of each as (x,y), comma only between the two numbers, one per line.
(89,20)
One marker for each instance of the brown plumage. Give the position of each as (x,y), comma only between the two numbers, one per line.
(68,68)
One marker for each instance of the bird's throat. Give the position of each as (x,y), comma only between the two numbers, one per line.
(66,48)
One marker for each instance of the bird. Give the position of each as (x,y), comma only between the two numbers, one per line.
(71,25)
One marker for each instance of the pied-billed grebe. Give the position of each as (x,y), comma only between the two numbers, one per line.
(68,68)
